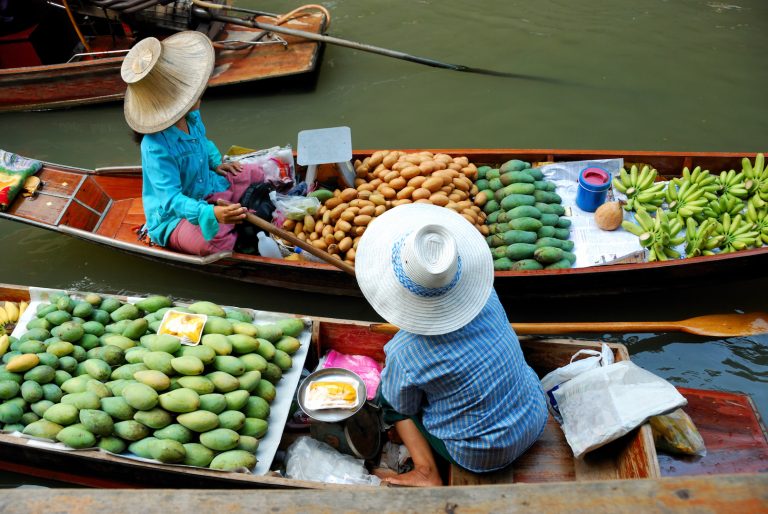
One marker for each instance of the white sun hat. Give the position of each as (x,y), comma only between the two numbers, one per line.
(424,268)
(165,79)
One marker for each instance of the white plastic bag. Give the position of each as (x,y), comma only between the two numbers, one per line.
(293,207)
(604,403)
(551,382)
(309,459)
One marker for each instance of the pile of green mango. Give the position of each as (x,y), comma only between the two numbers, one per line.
(92,371)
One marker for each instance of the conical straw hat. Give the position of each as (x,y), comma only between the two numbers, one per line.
(165,79)
(424,268)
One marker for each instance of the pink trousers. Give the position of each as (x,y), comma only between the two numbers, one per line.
(188,238)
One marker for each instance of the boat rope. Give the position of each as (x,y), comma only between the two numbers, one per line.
(74,24)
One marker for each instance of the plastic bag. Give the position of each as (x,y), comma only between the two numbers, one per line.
(602,404)
(551,382)
(293,207)
(676,433)
(276,164)
(366,368)
(309,459)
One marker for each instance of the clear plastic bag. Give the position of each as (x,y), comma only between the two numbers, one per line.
(309,459)
(293,207)
(676,433)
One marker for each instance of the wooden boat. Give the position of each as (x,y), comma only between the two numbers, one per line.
(40,70)
(104,206)
(733,433)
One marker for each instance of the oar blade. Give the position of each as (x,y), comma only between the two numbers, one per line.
(727,325)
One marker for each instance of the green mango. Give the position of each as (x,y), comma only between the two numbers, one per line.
(266,349)
(117,408)
(10,413)
(136,328)
(229,364)
(205,353)
(141,448)
(140,396)
(76,436)
(271,332)
(162,343)
(159,361)
(70,331)
(236,400)
(217,325)
(110,304)
(154,303)
(43,429)
(93,298)
(82,310)
(126,311)
(254,427)
(31,391)
(101,316)
(58,317)
(167,450)
(39,323)
(246,329)
(213,402)
(62,414)
(97,388)
(126,371)
(288,344)
(156,418)
(87,342)
(242,343)
(41,374)
(94,328)
(40,407)
(187,365)
(282,360)
(233,460)
(249,380)
(266,390)
(232,419)
(112,444)
(118,340)
(220,439)
(272,373)
(197,455)
(32,346)
(201,385)
(199,421)
(257,407)
(247,443)
(157,380)
(218,343)
(136,354)
(131,430)
(291,327)
(97,368)
(60,348)
(223,382)
(239,315)
(52,392)
(97,422)
(207,308)
(175,431)
(68,364)
(84,400)
(180,400)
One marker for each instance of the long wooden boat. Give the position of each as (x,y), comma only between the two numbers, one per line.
(735,438)
(104,206)
(38,69)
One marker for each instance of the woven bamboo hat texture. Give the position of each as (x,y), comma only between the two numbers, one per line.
(165,79)
(424,268)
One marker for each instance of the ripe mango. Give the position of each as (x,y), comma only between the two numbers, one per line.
(220,439)
(93,298)
(97,422)
(175,431)
(180,400)
(43,429)
(197,455)
(22,363)
(207,308)
(156,418)
(199,421)
(233,460)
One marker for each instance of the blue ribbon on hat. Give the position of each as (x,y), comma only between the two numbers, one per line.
(410,285)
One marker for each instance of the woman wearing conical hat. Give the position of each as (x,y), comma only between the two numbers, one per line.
(183,173)
(455,382)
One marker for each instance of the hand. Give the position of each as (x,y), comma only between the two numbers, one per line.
(229,167)
(229,214)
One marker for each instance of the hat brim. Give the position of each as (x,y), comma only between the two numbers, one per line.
(178,79)
(396,304)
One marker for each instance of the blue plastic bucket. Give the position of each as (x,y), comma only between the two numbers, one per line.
(593,188)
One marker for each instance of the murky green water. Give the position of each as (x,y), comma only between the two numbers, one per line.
(645,75)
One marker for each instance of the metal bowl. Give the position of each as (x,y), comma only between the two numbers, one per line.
(332,415)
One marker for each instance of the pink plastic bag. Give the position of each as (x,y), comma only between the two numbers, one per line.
(368,369)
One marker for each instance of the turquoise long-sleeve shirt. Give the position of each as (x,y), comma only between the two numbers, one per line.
(178,173)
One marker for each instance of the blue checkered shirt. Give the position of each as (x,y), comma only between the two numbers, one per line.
(472,387)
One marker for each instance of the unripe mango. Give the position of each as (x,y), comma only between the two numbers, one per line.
(140,396)
(180,400)
(76,436)
(131,430)
(233,460)
(199,421)
(197,455)
(43,429)
(220,439)
(97,422)
(156,418)
(112,444)
(175,431)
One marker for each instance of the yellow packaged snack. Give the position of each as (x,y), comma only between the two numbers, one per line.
(331,394)
(187,327)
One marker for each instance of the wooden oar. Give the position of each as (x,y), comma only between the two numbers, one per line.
(204,13)
(288,236)
(713,325)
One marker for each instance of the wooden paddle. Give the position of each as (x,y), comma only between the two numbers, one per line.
(713,325)
(288,236)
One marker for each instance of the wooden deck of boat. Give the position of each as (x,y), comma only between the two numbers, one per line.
(743,494)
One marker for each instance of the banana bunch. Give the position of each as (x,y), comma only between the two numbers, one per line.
(10,312)
(699,239)
(732,185)
(685,198)
(5,342)
(702,179)
(738,233)
(660,233)
(759,219)
(757,174)
(718,208)
(640,187)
